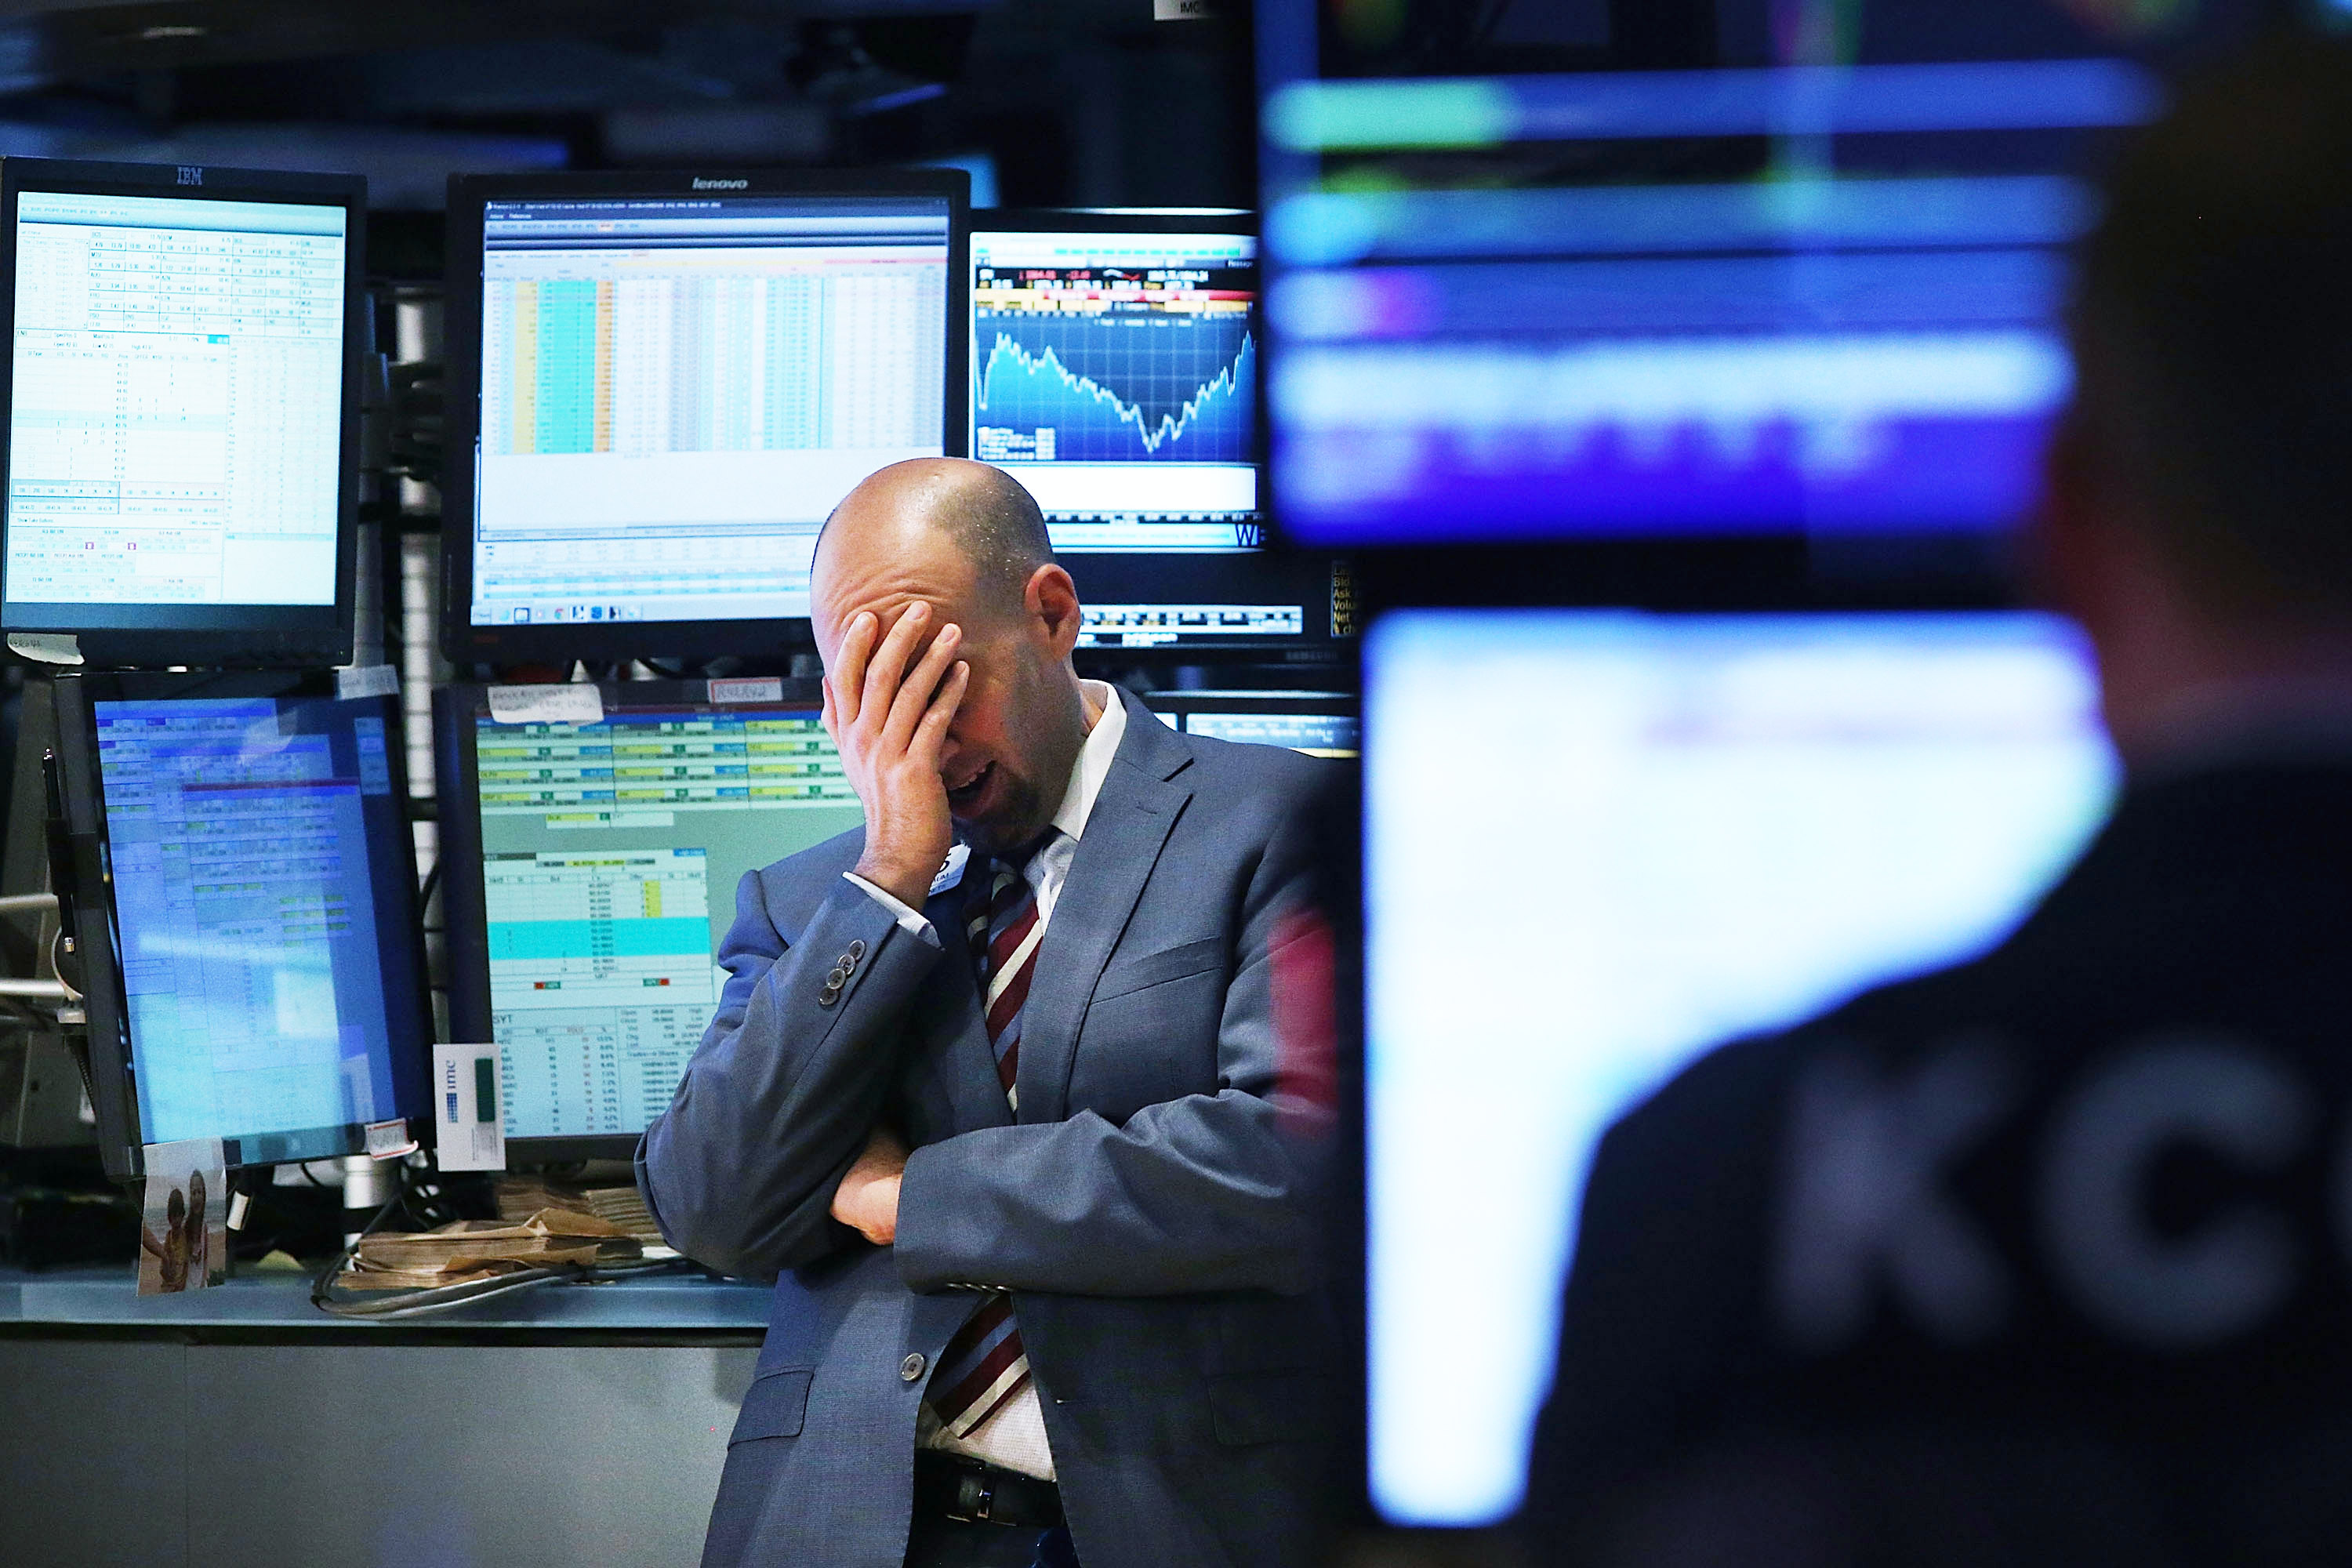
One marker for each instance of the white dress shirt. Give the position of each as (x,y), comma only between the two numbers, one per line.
(1015,1437)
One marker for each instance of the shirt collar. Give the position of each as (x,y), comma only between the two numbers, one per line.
(1087,774)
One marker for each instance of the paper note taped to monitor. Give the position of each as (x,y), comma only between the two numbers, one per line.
(468,1118)
(562,702)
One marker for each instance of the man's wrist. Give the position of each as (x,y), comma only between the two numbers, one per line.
(910,887)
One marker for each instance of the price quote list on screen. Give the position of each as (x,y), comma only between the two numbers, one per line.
(601,959)
(176,418)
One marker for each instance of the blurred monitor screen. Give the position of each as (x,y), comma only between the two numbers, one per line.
(675,393)
(1613,304)
(1732,823)
(594,873)
(1115,375)
(176,407)
(1321,723)
(264,907)
(1318,735)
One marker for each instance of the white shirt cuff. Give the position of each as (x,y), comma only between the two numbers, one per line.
(911,921)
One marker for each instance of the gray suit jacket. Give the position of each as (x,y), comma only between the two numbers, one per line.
(1149,1208)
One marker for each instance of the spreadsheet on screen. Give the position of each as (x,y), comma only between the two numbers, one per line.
(176,420)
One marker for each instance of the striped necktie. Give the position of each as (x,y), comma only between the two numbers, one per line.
(983,1365)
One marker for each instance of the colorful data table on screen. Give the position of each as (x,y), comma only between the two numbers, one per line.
(669,387)
(594,868)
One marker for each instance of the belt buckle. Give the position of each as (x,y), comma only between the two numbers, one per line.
(975,1498)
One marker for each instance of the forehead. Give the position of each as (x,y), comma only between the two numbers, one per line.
(884,569)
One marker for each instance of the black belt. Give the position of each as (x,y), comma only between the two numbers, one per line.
(949,1486)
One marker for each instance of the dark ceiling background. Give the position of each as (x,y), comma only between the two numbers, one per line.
(1085,102)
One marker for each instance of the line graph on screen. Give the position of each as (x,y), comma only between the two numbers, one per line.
(1133,389)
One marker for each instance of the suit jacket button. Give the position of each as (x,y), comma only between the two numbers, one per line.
(857,950)
(828,997)
(912,1368)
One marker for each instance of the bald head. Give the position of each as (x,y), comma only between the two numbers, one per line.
(984,516)
(939,543)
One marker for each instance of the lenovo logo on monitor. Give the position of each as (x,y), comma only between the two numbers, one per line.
(702,184)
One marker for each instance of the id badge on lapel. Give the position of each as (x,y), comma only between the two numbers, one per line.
(951,869)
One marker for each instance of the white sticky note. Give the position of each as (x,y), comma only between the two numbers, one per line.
(389,1140)
(367,680)
(46,648)
(748,689)
(566,702)
(468,1124)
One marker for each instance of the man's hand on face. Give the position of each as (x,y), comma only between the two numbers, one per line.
(868,1199)
(890,723)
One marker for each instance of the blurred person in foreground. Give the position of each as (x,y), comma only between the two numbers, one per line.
(2048,1256)
(1001,1094)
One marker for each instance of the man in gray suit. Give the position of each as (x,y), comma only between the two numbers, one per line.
(996,1095)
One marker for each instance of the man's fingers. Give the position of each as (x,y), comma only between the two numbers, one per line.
(931,736)
(922,684)
(847,680)
(887,669)
(825,715)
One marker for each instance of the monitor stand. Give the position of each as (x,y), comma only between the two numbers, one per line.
(368,1183)
(43,1101)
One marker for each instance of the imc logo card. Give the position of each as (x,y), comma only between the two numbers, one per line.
(468,1118)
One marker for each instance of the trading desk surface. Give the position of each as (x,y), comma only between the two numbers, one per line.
(559,1426)
(684,1306)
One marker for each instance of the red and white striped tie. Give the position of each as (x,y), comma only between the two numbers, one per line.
(983,1365)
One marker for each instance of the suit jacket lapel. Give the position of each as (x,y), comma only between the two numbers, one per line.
(1121,843)
(950,1024)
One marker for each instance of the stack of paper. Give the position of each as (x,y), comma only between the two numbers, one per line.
(519,1196)
(469,1250)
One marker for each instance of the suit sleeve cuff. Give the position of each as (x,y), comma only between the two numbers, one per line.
(911,921)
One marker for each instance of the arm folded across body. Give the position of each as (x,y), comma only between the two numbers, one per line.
(740,1171)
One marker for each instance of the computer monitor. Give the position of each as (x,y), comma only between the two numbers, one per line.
(660,384)
(182,408)
(1669,831)
(1321,723)
(590,871)
(249,953)
(1115,372)
(1813,301)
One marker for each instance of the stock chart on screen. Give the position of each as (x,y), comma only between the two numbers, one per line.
(1820,297)
(1115,375)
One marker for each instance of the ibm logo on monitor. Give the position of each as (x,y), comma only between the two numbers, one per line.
(191,175)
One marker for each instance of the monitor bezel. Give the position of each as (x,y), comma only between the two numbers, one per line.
(467,644)
(238,635)
(113,1085)
(1271,573)
(465,908)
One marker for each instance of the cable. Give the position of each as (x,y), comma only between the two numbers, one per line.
(72,995)
(424,893)
(322,1284)
(440,1297)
